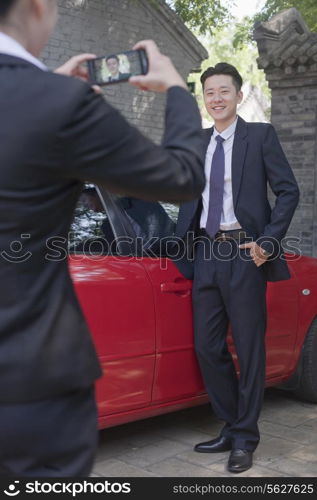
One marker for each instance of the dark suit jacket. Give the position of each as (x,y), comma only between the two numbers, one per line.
(55,134)
(122,76)
(257,159)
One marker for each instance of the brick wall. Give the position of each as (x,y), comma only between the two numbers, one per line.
(288,54)
(108,26)
(294,114)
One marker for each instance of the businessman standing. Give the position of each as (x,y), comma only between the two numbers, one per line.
(56,133)
(238,250)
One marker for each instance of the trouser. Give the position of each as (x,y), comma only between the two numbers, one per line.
(229,287)
(56,437)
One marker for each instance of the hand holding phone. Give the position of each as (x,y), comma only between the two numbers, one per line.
(162,73)
(75,67)
(116,68)
(145,67)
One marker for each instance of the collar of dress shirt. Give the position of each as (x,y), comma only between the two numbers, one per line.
(228,132)
(11,47)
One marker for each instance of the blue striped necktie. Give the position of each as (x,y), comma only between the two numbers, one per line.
(216,188)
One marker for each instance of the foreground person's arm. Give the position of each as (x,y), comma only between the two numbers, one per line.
(102,147)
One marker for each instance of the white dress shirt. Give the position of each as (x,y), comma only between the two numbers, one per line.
(228,219)
(10,46)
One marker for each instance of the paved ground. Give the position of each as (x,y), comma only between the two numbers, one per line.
(162,446)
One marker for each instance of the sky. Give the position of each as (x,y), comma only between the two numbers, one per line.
(246,7)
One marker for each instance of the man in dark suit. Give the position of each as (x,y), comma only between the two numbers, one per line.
(113,66)
(238,250)
(56,133)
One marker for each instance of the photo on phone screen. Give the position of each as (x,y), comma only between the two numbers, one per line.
(119,67)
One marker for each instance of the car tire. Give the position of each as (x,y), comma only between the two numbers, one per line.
(307,387)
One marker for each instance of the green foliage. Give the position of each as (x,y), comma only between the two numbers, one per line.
(307,8)
(243,32)
(202,15)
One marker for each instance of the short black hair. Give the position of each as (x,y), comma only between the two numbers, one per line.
(5,6)
(223,68)
(113,57)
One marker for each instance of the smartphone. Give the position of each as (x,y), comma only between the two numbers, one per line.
(116,68)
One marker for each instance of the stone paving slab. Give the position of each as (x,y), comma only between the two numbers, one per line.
(174,467)
(297,435)
(275,449)
(306,453)
(117,468)
(163,446)
(152,453)
(295,468)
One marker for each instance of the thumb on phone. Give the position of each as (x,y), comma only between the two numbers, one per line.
(162,73)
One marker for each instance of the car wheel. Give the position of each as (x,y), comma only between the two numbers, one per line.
(307,387)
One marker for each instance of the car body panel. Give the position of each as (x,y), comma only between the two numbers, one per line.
(116,297)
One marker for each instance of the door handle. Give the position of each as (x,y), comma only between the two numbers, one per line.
(176,287)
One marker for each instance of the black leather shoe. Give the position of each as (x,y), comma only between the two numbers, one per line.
(239,460)
(214,446)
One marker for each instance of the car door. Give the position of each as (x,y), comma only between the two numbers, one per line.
(116,297)
(177,374)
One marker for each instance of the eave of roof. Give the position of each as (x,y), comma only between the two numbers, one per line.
(177,29)
(285,43)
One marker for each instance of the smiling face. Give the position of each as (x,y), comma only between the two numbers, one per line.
(113,66)
(221,100)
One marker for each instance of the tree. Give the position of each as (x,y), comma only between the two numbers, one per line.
(203,16)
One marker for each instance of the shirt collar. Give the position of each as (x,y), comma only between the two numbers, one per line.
(228,132)
(10,46)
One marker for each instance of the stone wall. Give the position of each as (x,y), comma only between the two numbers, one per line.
(288,54)
(108,26)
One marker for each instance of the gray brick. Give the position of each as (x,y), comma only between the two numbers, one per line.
(294,105)
(107,26)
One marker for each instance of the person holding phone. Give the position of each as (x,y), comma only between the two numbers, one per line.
(56,134)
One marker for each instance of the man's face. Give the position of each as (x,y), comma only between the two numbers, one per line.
(113,66)
(221,98)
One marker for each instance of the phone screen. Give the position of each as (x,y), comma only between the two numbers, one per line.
(119,67)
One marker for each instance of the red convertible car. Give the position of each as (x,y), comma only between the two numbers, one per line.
(138,307)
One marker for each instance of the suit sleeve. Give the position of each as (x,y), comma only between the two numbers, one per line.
(103,148)
(283,184)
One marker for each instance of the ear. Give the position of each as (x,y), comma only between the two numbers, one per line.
(38,8)
(240,96)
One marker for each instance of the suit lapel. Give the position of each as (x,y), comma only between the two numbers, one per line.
(239,150)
